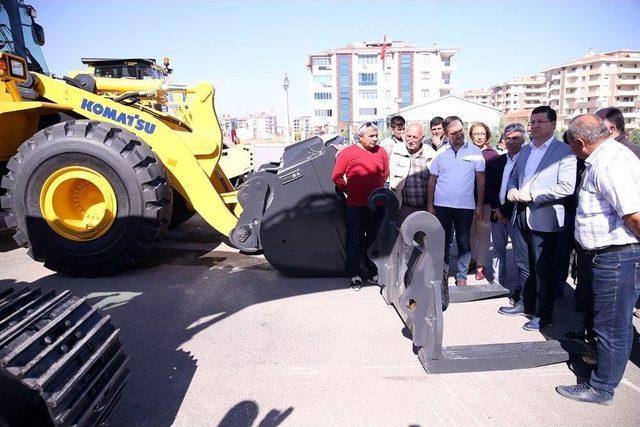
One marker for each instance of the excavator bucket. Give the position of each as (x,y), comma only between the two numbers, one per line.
(61,362)
(294,213)
(410,262)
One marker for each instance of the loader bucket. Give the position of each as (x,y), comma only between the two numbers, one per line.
(410,263)
(294,213)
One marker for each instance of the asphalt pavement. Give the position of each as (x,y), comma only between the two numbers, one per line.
(220,338)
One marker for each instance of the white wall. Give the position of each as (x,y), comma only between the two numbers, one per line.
(450,106)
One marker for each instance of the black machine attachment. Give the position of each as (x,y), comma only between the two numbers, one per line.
(294,213)
(410,260)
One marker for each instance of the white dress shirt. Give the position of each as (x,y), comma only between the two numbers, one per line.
(610,189)
(508,168)
(535,156)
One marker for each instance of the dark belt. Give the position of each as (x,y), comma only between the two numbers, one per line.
(614,248)
(521,207)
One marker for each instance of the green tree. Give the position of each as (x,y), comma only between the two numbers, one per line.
(634,136)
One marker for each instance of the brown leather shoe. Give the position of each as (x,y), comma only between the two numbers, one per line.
(461,282)
(480,275)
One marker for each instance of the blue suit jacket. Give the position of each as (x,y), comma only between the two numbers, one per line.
(554,180)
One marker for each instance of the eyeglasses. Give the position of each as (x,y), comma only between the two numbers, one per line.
(539,122)
(458,132)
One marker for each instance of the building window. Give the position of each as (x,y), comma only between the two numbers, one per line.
(424,75)
(323,80)
(344,88)
(321,60)
(446,62)
(367,59)
(367,79)
(425,58)
(322,95)
(323,113)
(368,111)
(387,94)
(405,79)
(424,93)
(368,94)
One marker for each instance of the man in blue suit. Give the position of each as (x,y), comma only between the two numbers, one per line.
(543,178)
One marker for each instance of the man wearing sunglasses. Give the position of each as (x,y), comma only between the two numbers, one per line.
(359,170)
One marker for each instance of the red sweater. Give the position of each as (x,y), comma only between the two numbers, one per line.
(365,171)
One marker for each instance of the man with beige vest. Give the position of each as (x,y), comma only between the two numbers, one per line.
(408,170)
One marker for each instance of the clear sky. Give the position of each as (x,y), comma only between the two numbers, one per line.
(245,47)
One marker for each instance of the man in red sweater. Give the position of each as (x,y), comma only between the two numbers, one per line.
(365,166)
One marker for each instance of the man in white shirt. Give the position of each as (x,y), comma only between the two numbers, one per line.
(397,125)
(542,181)
(450,193)
(608,229)
(498,173)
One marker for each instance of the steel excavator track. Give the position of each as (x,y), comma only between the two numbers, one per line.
(61,362)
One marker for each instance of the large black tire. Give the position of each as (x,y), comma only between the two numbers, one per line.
(136,175)
(61,360)
(181,211)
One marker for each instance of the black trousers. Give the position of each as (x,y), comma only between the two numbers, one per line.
(583,293)
(362,226)
(539,267)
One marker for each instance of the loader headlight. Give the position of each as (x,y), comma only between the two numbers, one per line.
(16,69)
(12,67)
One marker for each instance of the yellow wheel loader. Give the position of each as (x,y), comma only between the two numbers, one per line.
(91,178)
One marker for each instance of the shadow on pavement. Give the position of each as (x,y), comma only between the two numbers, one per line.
(160,309)
(245,414)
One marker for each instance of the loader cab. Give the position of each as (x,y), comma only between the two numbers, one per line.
(21,35)
(125,68)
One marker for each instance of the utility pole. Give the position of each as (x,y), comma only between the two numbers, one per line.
(285,85)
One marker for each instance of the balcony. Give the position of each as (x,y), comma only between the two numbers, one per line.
(622,104)
(627,92)
(628,80)
(588,105)
(628,70)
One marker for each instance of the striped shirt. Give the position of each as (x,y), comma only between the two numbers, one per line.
(610,189)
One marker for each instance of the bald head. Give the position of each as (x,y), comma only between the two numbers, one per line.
(585,133)
(589,128)
(413,136)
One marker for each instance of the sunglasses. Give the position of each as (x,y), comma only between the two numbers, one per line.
(368,124)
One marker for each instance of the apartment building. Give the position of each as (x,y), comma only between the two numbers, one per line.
(254,126)
(482,96)
(582,85)
(367,81)
(594,81)
(302,128)
(519,93)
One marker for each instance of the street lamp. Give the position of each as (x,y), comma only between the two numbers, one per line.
(285,85)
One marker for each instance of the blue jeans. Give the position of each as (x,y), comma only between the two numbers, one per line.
(362,226)
(616,288)
(461,220)
(500,234)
